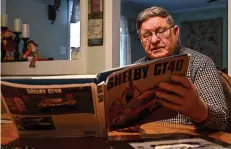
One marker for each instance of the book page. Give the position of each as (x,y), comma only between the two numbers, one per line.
(131,99)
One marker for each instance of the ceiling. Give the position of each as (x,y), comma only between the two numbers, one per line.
(179,5)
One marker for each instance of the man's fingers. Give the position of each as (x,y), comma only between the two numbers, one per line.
(182,80)
(169,105)
(174,99)
(174,88)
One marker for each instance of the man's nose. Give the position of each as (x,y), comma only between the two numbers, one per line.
(154,38)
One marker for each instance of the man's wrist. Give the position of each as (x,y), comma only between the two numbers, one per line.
(209,122)
(202,114)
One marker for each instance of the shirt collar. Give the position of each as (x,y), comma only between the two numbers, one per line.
(177,50)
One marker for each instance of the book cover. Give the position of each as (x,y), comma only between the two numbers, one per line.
(52,110)
(130,93)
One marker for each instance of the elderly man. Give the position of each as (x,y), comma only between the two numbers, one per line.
(198,98)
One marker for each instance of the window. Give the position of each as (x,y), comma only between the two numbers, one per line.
(75,34)
(74,11)
(125,42)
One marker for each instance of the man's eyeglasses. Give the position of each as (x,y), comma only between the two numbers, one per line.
(161,32)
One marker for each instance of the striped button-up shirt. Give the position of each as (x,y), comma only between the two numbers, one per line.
(203,73)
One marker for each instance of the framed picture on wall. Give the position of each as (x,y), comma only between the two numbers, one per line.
(95,22)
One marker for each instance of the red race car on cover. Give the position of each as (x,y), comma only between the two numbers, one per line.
(136,110)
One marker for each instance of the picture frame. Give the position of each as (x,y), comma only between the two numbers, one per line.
(95,22)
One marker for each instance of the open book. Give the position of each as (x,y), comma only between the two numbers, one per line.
(121,98)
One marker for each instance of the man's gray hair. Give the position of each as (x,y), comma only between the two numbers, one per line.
(154,11)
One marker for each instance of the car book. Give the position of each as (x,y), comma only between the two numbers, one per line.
(120,99)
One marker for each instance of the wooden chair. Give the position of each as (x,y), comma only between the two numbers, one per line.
(226,84)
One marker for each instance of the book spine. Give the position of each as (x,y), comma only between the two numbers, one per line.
(101,110)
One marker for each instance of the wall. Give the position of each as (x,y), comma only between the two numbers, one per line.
(133,10)
(112,33)
(137,50)
(208,14)
(92,59)
(3,6)
(100,58)
(49,37)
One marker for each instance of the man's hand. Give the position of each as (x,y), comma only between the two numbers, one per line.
(181,96)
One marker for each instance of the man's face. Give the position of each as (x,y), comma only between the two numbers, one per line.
(158,38)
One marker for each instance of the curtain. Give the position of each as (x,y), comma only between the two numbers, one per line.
(75,11)
(125,42)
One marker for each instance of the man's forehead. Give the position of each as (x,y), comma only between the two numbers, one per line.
(154,23)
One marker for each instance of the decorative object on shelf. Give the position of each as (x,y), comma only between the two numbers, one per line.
(3,28)
(3,52)
(75,52)
(95,22)
(4,20)
(17,41)
(25,36)
(17,32)
(25,42)
(17,25)
(8,45)
(25,30)
(31,53)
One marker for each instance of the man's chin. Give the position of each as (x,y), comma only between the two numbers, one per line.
(158,55)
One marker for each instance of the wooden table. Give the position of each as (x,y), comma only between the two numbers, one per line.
(9,136)
(168,128)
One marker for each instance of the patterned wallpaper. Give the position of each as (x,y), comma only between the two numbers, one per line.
(204,36)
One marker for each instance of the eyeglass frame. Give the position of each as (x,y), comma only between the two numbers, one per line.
(155,32)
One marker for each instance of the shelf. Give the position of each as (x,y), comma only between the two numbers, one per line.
(57,67)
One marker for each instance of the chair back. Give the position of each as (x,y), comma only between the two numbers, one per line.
(226,84)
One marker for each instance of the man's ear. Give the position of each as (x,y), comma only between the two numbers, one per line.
(140,41)
(176,30)
(138,37)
